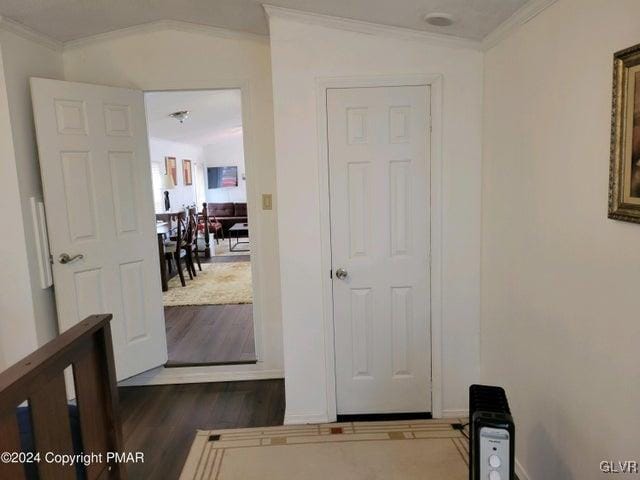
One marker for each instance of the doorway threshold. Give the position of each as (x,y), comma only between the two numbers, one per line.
(384,417)
(171,364)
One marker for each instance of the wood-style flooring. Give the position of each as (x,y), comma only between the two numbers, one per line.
(161,421)
(210,334)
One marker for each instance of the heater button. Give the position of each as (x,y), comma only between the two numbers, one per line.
(494,461)
(494,475)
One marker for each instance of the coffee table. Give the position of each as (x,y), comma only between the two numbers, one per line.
(238,228)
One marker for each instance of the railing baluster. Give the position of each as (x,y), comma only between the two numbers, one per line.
(52,427)
(90,396)
(10,442)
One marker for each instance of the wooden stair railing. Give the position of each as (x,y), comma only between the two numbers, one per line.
(39,379)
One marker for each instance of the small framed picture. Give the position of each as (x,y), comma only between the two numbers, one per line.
(171,168)
(624,176)
(186,172)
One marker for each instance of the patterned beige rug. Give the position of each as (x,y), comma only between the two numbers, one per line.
(405,450)
(216,284)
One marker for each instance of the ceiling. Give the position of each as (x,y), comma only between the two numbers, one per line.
(214,115)
(66,20)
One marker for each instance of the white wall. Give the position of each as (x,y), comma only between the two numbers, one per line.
(227,153)
(17,320)
(560,322)
(181,195)
(27,312)
(167,59)
(301,53)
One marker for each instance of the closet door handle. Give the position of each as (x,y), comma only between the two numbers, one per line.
(341,273)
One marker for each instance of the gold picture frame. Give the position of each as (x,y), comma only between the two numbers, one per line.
(624,175)
(186,172)
(171,168)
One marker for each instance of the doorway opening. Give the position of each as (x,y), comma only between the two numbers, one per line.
(196,147)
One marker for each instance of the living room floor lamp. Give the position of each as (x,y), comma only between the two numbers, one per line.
(167,184)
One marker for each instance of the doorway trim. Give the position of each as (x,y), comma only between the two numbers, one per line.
(216,373)
(435,82)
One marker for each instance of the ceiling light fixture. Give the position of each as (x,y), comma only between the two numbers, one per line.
(181,116)
(439,19)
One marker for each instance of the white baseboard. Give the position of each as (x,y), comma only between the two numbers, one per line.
(455,413)
(520,471)
(177,375)
(305,418)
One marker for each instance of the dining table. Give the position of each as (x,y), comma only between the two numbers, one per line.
(171,217)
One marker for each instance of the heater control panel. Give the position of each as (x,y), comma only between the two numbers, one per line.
(494,454)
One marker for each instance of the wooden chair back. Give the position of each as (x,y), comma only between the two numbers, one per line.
(181,236)
(192,227)
(177,234)
(183,230)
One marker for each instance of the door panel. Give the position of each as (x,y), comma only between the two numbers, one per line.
(379,184)
(123,181)
(78,178)
(94,161)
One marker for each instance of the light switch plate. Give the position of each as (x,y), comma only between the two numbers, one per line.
(267,201)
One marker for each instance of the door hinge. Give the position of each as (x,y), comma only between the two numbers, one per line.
(51,259)
(331,273)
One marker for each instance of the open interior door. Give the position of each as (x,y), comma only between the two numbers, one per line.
(94,161)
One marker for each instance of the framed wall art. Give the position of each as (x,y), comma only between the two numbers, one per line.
(624,176)
(171,168)
(186,172)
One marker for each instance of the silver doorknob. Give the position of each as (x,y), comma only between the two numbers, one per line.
(66,258)
(341,273)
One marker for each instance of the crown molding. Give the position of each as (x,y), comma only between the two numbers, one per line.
(9,25)
(525,13)
(166,25)
(368,28)
(505,29)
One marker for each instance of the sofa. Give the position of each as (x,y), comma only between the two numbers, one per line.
(228,214)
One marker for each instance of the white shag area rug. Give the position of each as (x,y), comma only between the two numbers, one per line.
(216,284)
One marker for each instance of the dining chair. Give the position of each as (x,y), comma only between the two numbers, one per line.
(191,244)
(174,250)
(214,225)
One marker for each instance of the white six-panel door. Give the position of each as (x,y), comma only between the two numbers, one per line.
(379,188)
(94,161)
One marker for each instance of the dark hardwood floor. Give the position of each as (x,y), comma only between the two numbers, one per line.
(161,421)
(210,334)
(230,258)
